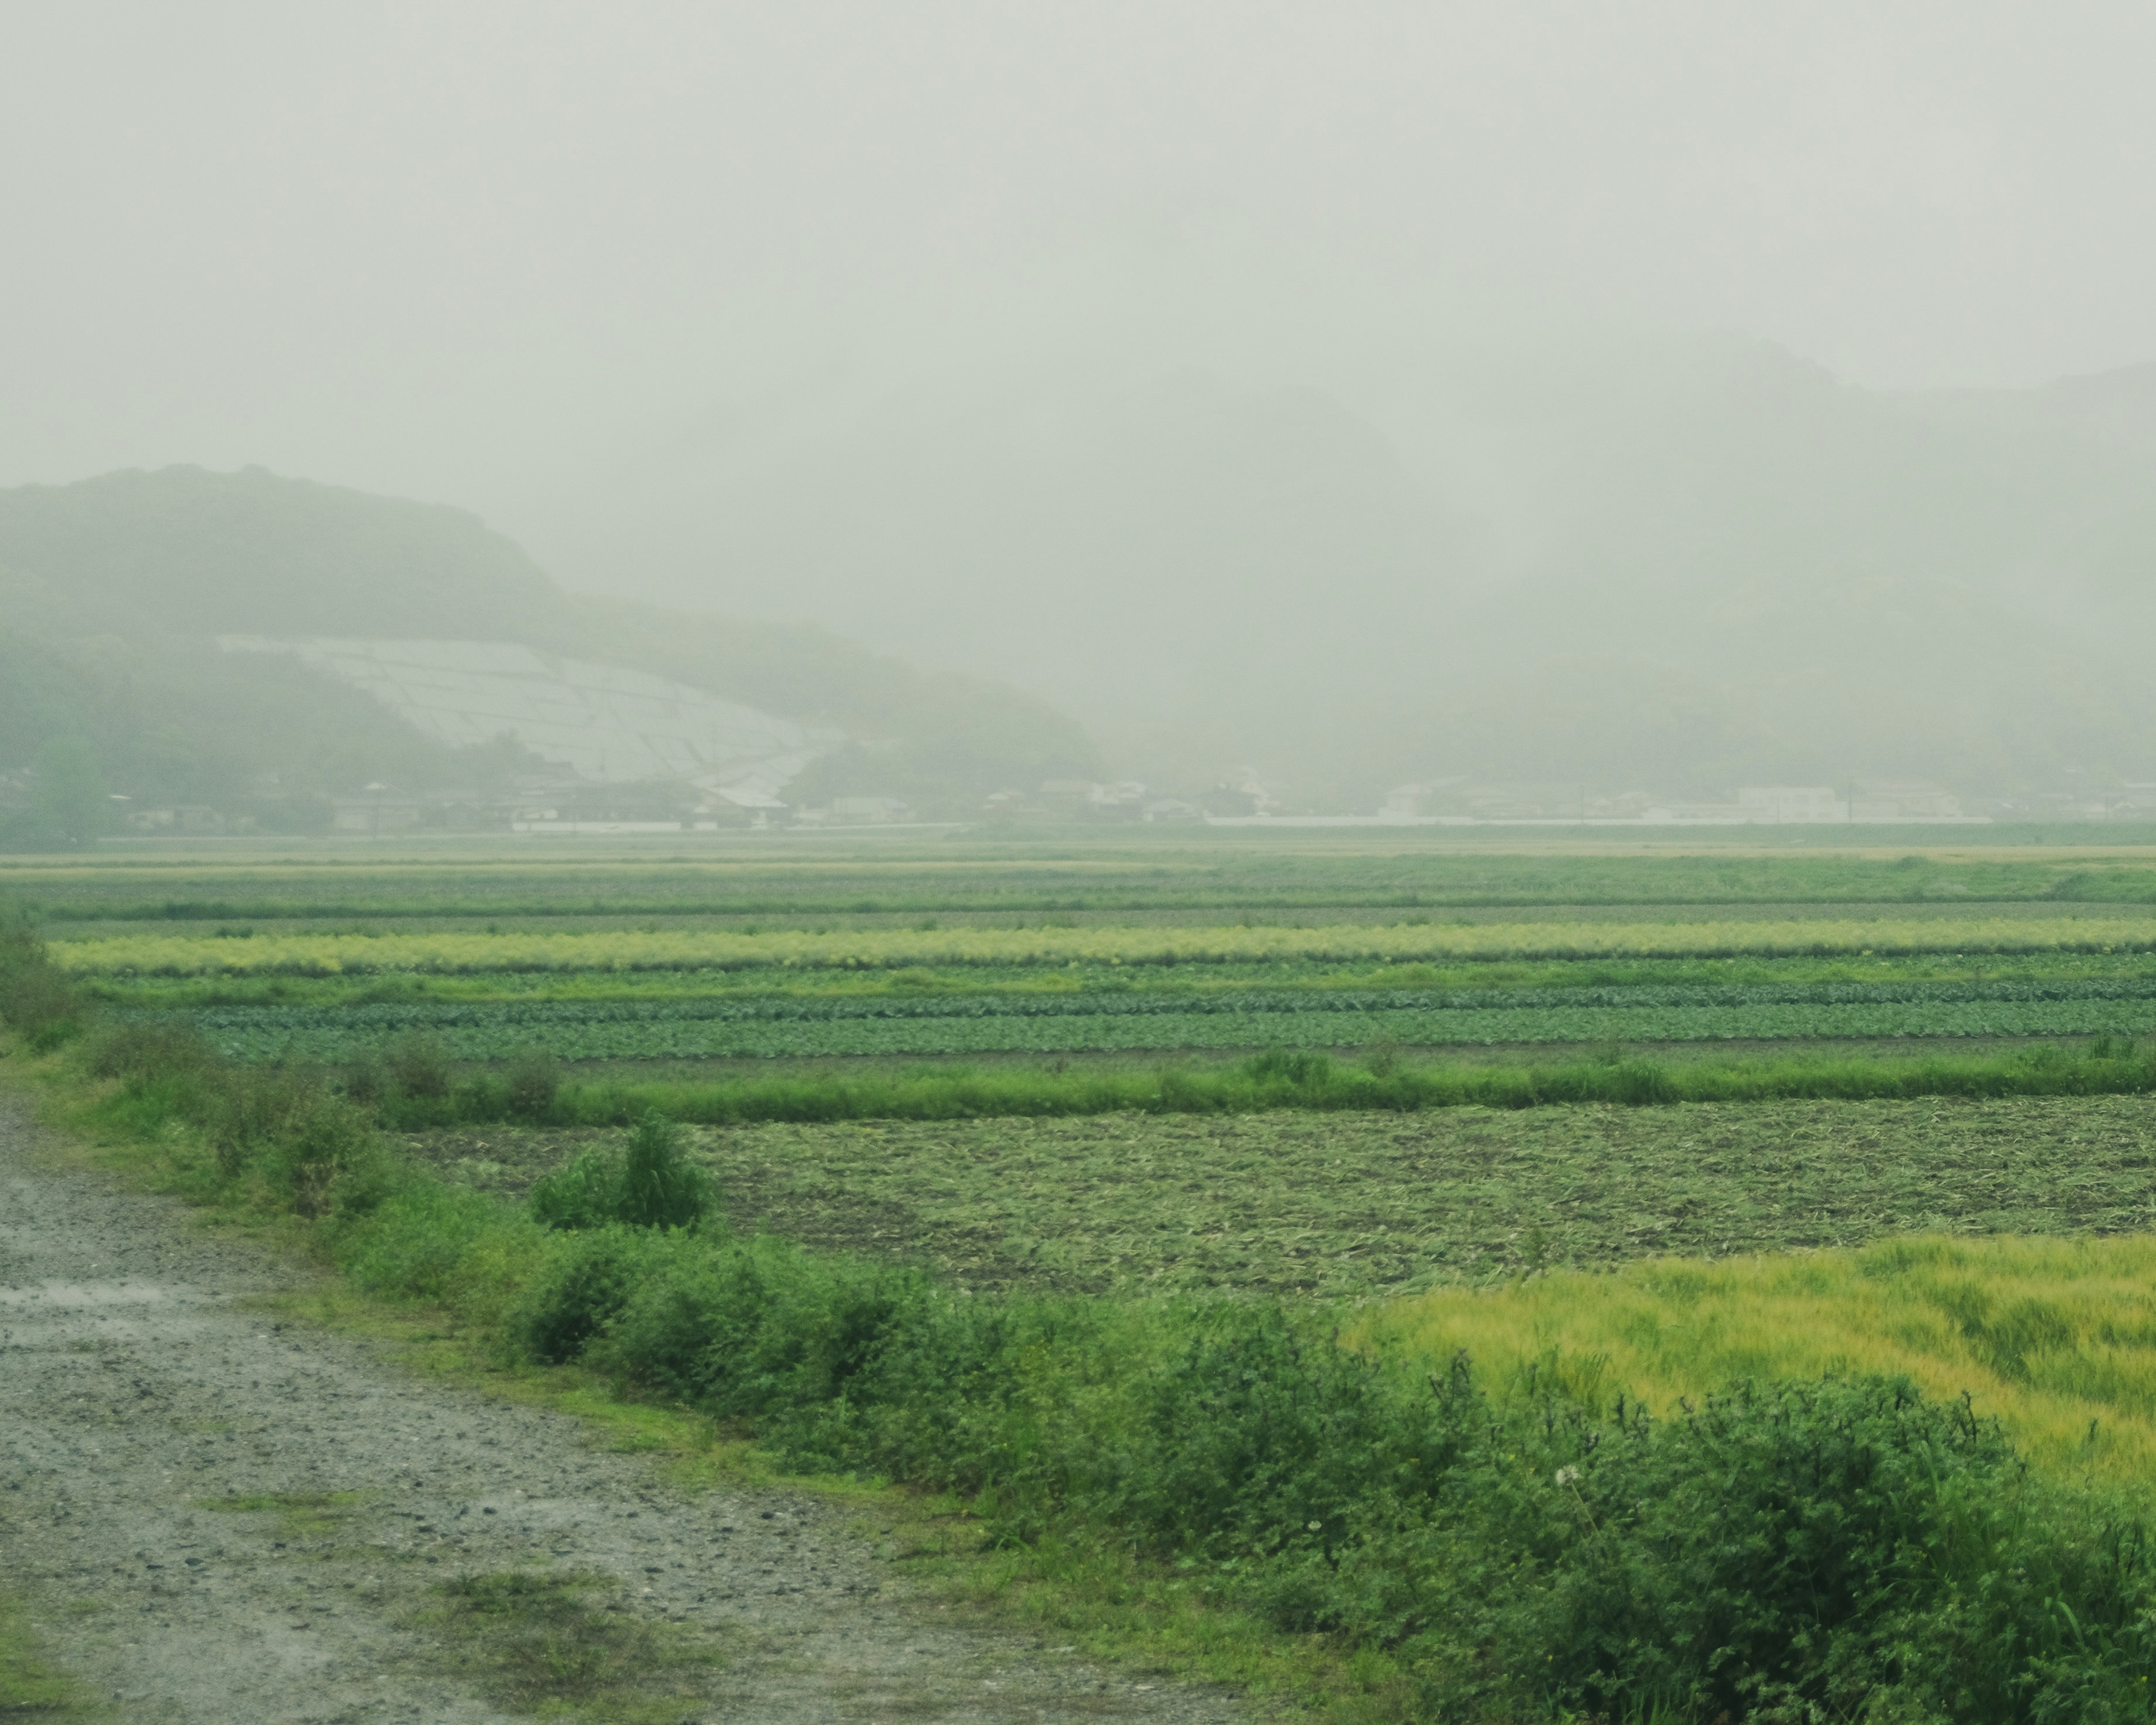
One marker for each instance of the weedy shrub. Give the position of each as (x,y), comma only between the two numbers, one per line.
(579,1194)
(649,1184)
(531,1082)
(365,1080)
(143,1048)
(658,1188)
(418,1066)
(307,1143)
(38,1000)
(581,1287)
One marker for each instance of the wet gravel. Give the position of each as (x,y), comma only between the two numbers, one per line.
(142,1382)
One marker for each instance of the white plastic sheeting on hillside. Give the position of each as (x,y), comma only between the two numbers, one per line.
(604,723)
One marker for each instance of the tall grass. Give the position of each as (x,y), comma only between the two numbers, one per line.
(38,1000)
(2056,1338)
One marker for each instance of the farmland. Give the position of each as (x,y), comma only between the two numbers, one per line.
(1281,876)
(1248,1216)
(692,1028)
(1285,1203)
(838,966)
(1247,943)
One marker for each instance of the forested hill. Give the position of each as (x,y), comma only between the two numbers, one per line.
(112,589)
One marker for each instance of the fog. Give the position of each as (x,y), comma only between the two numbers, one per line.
(1299,384)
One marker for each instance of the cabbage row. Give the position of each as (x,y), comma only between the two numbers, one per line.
(546,1015)
(484,1033)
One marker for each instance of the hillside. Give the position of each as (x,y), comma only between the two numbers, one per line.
(113,592)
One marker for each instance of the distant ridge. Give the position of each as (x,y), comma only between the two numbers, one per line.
(114,590)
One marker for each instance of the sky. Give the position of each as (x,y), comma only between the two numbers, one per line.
(598,270)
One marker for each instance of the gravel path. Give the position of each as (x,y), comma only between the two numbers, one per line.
(137,1387)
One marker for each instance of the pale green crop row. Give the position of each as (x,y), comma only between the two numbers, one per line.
(693,949)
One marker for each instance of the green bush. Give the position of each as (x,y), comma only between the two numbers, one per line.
(657,1188)
(580,1194)
(649,1185)
(582,1285)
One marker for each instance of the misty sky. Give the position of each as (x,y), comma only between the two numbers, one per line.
(521,257)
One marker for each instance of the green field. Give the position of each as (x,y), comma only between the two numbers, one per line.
(1357,1204)
(1029,996)
(1117,878)
(1435,1256)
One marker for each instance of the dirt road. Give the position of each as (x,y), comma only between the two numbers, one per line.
(218,1517)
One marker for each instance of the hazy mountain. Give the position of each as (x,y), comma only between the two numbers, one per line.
(1666,564)
(112,591)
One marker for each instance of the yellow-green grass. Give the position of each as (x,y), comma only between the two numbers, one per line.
(689,949)
(2055,1338)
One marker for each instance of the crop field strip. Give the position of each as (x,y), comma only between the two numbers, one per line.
(782,1026)
(1393,873)
(1345,1206)
(176,955)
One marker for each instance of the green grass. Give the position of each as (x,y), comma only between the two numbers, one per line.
(32,1690)
(1294,1205)
(552,1645)
(2056,1336)
(300,1515)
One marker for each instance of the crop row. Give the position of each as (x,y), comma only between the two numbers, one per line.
(480,1036)
(714,949)
(543,1016)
